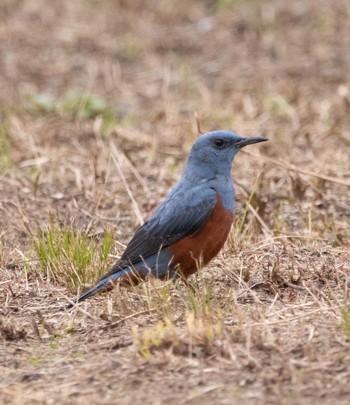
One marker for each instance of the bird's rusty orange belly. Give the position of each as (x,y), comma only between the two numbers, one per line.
(192,252)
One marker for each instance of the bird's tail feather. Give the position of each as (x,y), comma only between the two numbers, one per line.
(101,285)
(126,276)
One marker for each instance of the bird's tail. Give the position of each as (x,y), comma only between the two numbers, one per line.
(107,282)
(101,285)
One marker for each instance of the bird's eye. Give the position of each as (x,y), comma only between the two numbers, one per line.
(219,143)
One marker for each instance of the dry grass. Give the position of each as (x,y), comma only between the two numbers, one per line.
(99,105)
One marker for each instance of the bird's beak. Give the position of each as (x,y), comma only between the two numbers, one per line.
(249,141)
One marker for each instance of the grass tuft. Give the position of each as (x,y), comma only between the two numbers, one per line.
(346,323)
(195,336)
(75,106)
(70,257)
(151,338)
(5,160)
(85,106)
(189,319)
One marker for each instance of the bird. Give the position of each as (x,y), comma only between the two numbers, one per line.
(189,228)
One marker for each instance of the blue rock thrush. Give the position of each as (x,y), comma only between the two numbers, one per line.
(190,227)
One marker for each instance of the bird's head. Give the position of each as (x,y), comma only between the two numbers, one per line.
(215,150)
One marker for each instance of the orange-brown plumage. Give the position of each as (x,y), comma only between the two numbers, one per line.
(192,252)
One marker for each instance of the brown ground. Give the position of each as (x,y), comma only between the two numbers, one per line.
(269,322)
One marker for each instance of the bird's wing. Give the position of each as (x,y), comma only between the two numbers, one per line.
(181,215)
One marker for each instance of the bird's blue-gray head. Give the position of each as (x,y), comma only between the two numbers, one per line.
(213,153)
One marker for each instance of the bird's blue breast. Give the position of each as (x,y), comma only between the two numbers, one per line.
(224,187)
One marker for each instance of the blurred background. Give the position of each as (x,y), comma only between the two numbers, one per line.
(149,76)
(100,102)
